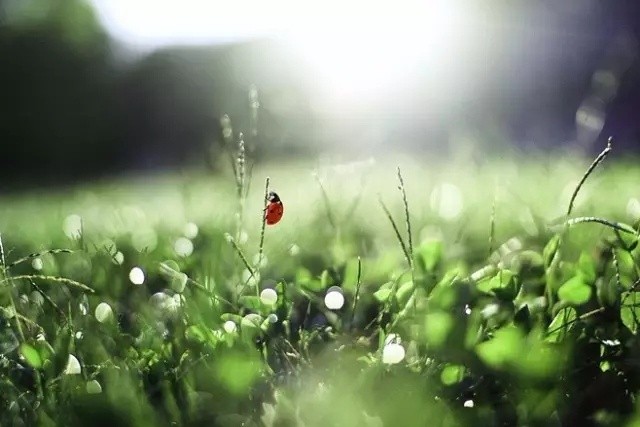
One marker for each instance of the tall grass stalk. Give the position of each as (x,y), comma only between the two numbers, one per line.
(405,251)
(264,223)
(553,267)
(240,184)
(327,205)
(6,277)
(603,155)
(407,219)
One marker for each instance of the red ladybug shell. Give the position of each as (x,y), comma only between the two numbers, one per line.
(274,210)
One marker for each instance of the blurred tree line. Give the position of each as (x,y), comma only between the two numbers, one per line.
(58,92)
(70,108)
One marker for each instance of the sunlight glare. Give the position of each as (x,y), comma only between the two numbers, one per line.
(368,53)
(352,49)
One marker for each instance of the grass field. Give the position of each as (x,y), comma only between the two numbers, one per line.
(142,301)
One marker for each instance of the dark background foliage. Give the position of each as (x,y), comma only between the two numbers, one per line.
(76,104)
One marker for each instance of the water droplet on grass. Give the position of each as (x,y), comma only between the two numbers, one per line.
(94,387)
(229,326)
(136,276)
(334,300)
(73,366)
(268,296)
(183,247)
(393,353)
(103,312)
(190,230)
(37,264)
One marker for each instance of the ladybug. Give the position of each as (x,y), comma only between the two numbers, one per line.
(274,210)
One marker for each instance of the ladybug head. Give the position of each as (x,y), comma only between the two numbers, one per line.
(273,197)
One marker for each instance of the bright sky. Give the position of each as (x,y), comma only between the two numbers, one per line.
(373,42)
(160,22)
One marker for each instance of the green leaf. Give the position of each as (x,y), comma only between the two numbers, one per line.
(444,297)
(575,291)
(404,293)
(540,360)
(627,264)
(251,302)
(200,333)
(314,285)
(431,254)
(302,275)
(384,292)
(550,249)
(503,280)
(608,292)
(45,351)
(350,275)
(437,328)
(627,241)
(561,323)
(630,312)
(31,355)
(452,374)
(325,279)
(586,268)
(231,316)
(504,348)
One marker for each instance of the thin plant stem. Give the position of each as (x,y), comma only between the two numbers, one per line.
(397,231)
(569,222)
(39,254)
(54,279)
(18,317)
(48,299)
(406,214)
(611,224)
(492,226)
(591,168)
(240,254)
(264,224)
(327,204)
(357,294)
(240,184)
(579,318)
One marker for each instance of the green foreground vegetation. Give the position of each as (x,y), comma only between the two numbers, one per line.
(142,303)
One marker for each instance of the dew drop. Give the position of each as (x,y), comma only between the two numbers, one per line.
(136,276)
(268,296)
(229,326)
(94,387)
(37,264)
(183,247)
(73,366)
(103,312)
(393,353)
(334,300)
(190,230)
